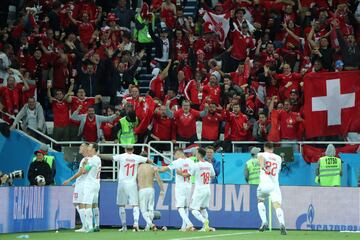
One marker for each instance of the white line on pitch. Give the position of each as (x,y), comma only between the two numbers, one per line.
(214,236)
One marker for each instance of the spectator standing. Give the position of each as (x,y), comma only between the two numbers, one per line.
(261,128)
(124,14)
(31,115)
(211,124)
(252,168)
(329,171)
(60,110)
(216,164)
(185,119)
(90,124)
(125,129)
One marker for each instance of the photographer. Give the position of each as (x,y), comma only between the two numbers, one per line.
(40,173)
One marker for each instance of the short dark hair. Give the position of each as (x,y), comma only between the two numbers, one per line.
(269,145)
(94,145)
(201,151)
(210,148)
(92,106)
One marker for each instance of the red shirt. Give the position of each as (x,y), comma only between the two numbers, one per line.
(295,78)
(86,31)
(210,47)
(76,102)
(163,127)
(210,126)
(241,78)
(61,113)
(107,129)
(11,98)
(173,101)
(157,87)
(288,125)
(212,92)
(186,123)
(89,133)
(192,93)
(240,44)
(236,125)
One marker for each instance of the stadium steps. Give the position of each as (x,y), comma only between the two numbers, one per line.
(144,77)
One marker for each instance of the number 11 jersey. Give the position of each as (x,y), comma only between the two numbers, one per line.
(128,166)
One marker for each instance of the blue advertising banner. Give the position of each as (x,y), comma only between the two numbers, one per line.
(26,209)
(231,206)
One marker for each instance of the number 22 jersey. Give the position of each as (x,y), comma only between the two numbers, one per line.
(272,165)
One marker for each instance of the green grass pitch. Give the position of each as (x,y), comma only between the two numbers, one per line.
(113,234)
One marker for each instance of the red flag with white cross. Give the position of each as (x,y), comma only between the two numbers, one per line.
(332,103)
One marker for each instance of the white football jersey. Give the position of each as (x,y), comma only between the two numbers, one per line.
(203,171)
(80,179)
(93,176)
(185,164)
(128,166)
(272,166)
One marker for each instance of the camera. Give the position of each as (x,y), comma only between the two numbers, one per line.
(18,174)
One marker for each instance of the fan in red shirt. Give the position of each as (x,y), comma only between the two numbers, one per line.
(158,81)
(171,96)
(107,127)
(212,90)
(193,90)
(60,109)
(86,27)
(238,123)
(211,124)
(163,126)
(208,43)
(11,95)
(289,122)
(85,102)
(241,76)
(185,119)
(242,44)
(180,45)
(288,81)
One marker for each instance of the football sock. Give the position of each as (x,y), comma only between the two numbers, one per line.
(262,212)
(198,215)
(280,216)
(136,213)
(96,216)
(204,213)
(89,218)
(184,217)
(122,214)
(82,216)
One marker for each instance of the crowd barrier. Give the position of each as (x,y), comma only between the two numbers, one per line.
(235,206)
(27,209)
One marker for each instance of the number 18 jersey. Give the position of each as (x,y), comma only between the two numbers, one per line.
(203,172)
(272,166)
(128,166)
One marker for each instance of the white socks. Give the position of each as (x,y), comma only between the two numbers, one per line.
(262,212)
(89,218)
(96,216)
(147,218)
(198,215)
(280,216)
(204,213)
(136,213)
(184,217)
(82,216)
(122,214)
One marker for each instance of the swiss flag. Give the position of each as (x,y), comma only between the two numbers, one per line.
(332,103)
(312,154)
(220,24)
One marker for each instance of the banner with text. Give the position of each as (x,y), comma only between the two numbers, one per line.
(235,206)
(27,209)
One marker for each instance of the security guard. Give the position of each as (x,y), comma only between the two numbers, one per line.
(252,168)
(125,129)
(329,170)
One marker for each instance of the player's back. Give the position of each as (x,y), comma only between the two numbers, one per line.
(185,165)
(145,176)
(202,171)
(93,176)
(272,166)
(128,167)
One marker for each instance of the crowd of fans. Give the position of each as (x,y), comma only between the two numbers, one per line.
(61,61)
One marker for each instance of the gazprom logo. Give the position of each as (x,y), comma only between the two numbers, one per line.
(311,214)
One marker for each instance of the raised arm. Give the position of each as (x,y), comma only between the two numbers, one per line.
(70,90)
(204,112)
(164,73)
(168,112)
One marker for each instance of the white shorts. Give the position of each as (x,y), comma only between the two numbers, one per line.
(91,193)
(146,199)
(182,196)
(127,194)
(264,191)
(78,194)
(200,198)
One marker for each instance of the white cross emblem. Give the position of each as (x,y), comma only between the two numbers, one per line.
(333,102)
